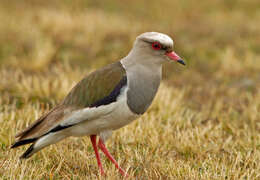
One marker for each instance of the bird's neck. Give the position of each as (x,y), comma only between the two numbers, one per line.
(143,81)
(137,59)
(142,66)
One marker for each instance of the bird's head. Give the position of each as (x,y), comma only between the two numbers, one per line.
(156,46)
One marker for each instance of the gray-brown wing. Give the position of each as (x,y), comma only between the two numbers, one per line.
(99,88)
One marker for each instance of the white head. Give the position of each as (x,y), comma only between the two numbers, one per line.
(155,48)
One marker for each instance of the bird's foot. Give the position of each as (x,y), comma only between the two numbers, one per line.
(102,146)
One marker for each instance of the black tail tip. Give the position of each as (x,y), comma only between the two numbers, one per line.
(15,145)
(27,153)
(23,142)
(12,146)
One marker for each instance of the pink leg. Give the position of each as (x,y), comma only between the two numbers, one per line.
(106,152)
(94,144)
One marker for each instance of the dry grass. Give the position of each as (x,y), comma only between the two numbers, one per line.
(205,120)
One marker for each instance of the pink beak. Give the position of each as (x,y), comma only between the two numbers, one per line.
(173,56)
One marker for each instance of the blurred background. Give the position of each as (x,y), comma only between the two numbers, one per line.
(47,46)
(219,39)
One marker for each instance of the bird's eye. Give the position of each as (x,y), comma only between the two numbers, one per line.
(156,46)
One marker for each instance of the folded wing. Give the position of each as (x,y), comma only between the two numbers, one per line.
(99,88)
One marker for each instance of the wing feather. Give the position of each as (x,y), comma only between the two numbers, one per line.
(99,88)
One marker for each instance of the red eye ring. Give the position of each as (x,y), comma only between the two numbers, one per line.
(156,45)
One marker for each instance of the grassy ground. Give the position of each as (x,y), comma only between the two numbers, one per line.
(205,120)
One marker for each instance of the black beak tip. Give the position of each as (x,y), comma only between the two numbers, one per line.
(181,62)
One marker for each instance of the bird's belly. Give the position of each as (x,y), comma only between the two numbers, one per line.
(120,116)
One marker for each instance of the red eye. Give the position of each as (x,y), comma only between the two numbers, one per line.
(156,46)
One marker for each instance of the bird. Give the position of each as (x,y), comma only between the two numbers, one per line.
(105,100)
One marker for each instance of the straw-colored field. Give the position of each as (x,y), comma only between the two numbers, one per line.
(205,120)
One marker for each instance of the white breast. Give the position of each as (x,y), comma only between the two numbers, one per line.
(103,118)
